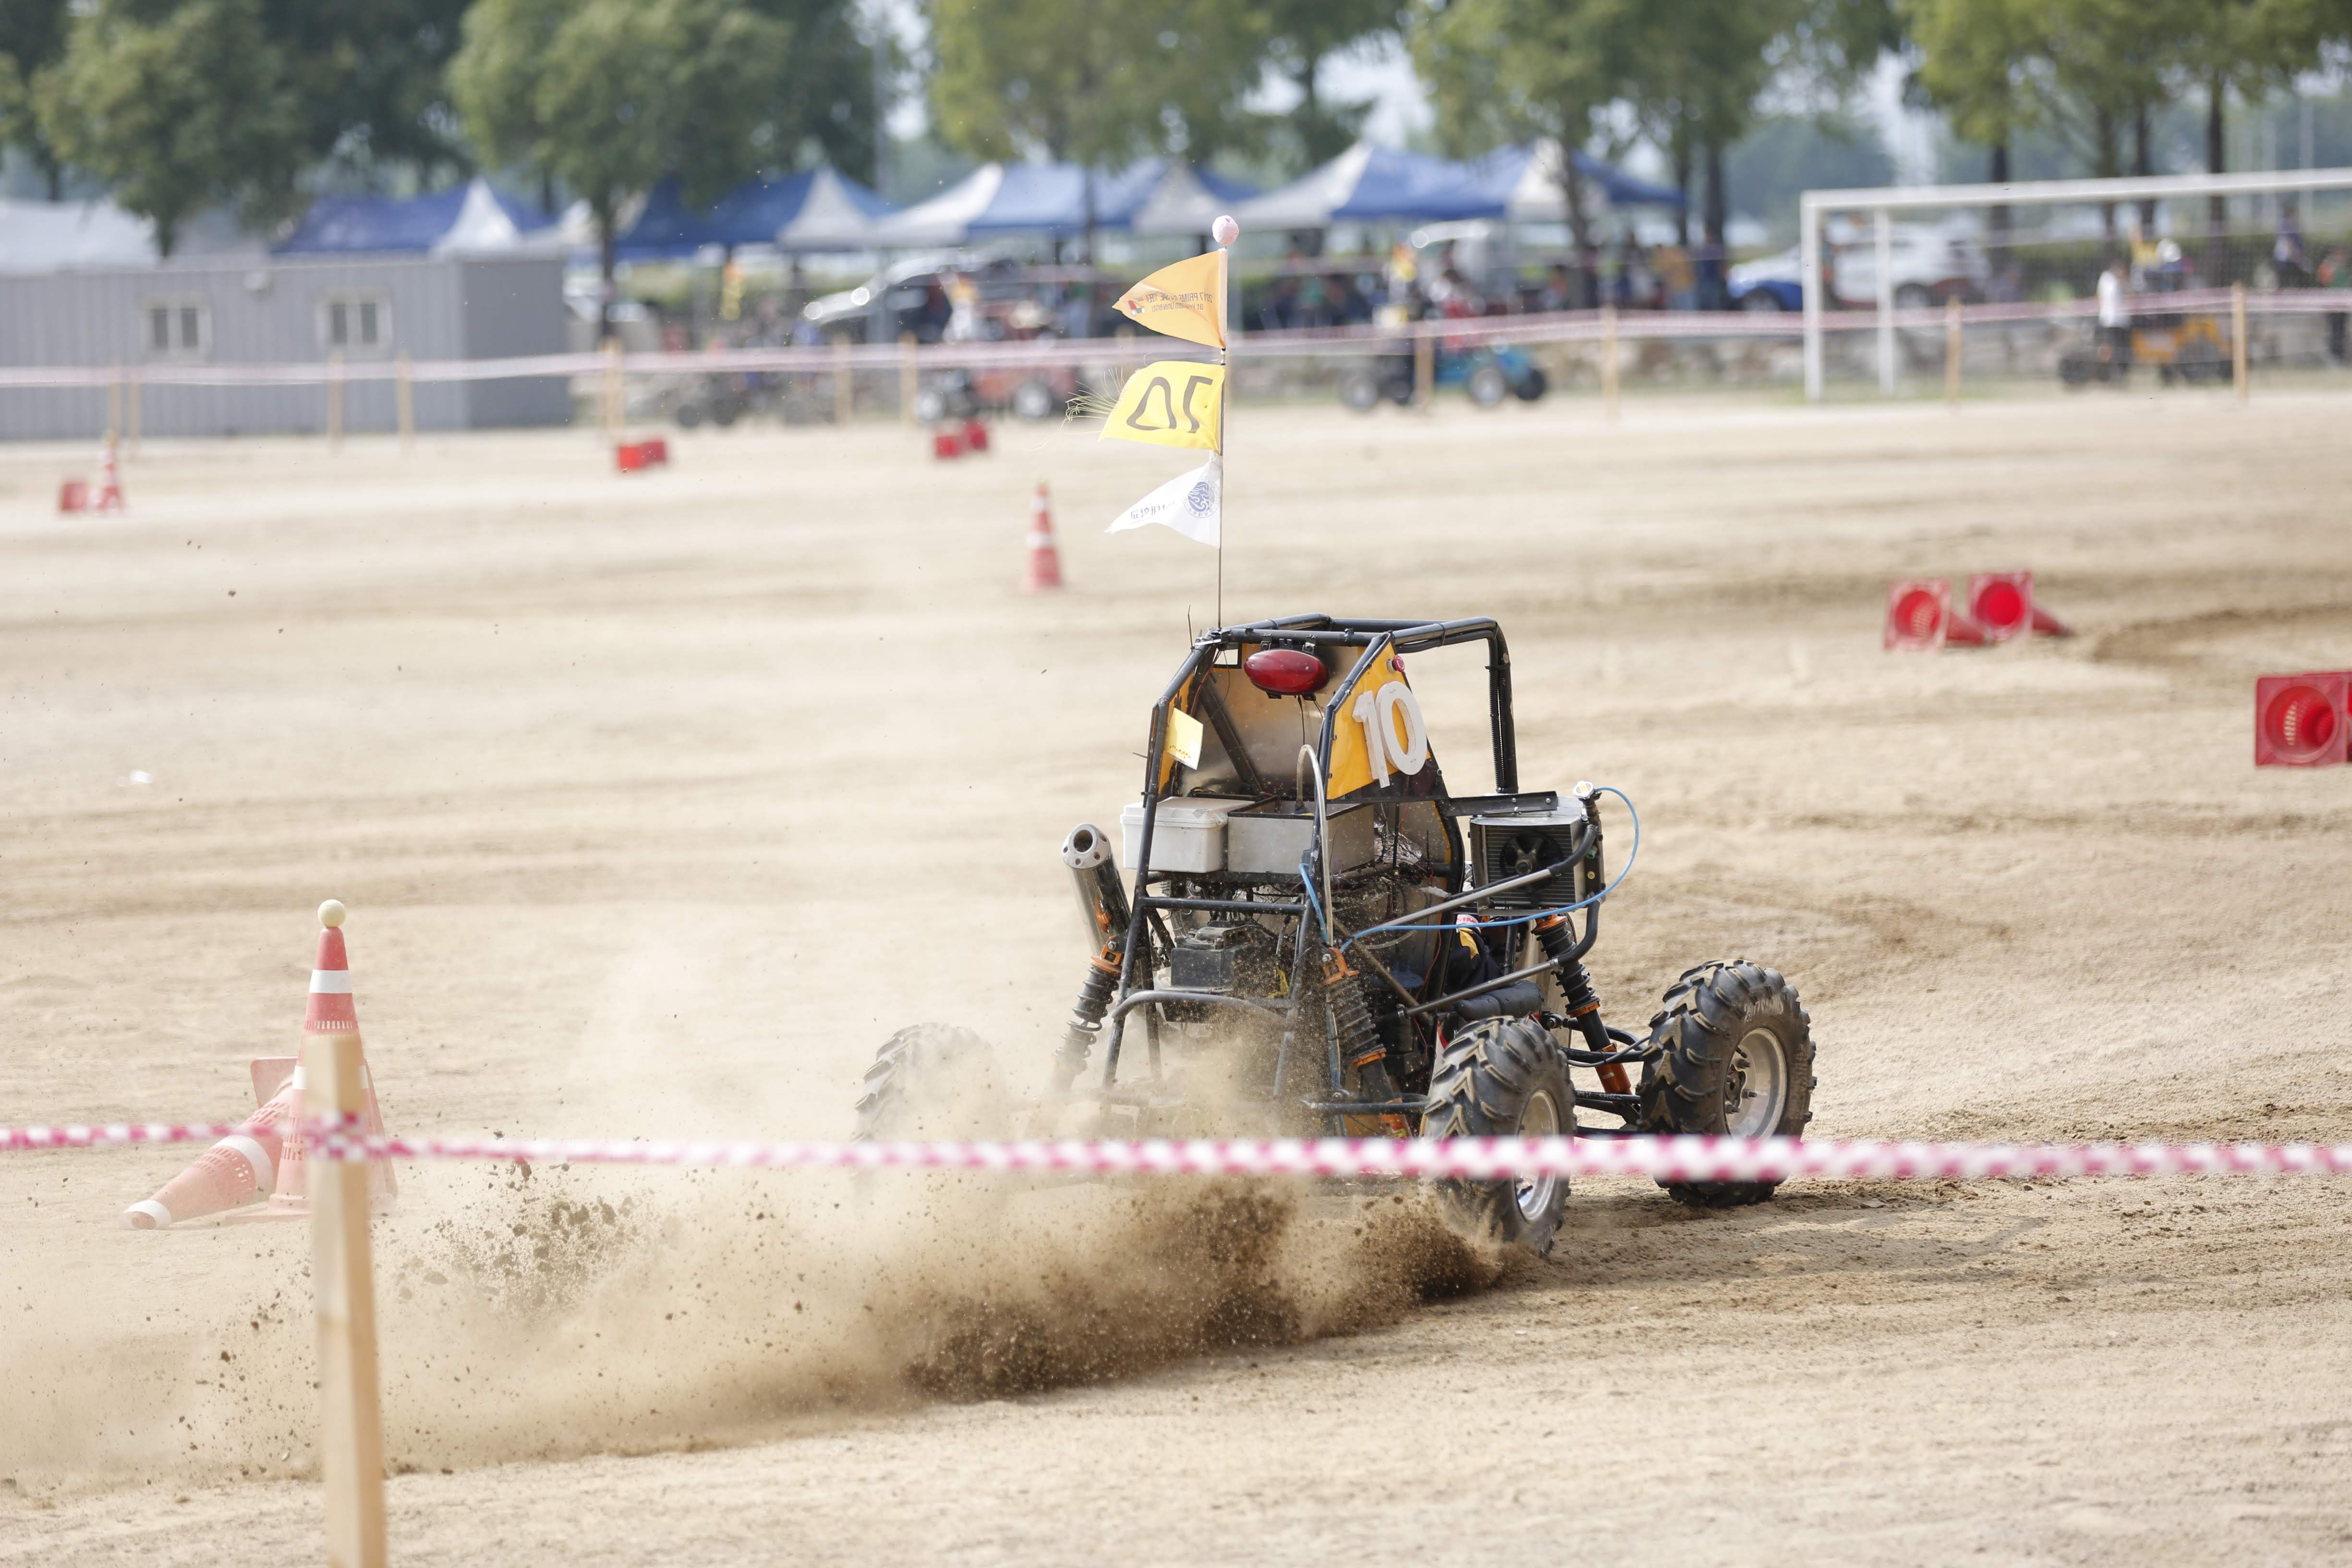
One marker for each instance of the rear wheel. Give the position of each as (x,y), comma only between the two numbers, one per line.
(1488,386)
(1734,1059)
(931,1081)
(1360,390)
(1503,1078)
(1035,400)
(1532,385)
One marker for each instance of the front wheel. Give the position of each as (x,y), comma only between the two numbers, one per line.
(1034,400)
(1734,1058)
(1503,1078)
(1488,386)
(1531,386)
(1360,390)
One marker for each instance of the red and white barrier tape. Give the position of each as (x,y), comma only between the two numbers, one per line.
(1468,332)
(1665,1159)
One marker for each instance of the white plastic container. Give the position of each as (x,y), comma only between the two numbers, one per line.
(1190,834)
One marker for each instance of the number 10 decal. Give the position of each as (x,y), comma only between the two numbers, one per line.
(1378,712)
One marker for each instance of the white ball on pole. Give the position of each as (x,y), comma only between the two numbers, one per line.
(1226,230)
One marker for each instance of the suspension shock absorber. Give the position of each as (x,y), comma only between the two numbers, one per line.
(1559,940)
(1086,1019)
(1360,1047)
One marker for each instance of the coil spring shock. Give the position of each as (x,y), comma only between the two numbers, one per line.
(1360,1043)
(1086,1019)
(1576,993)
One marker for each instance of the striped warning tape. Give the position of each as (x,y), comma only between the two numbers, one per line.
(1484,1159)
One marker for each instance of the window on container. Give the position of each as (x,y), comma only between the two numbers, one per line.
(348,322)
(178,329)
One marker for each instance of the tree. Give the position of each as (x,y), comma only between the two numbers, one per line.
(1302,36)
(610,95)
(2246,47)
(1501,70)
(177,105)
(1976,56)
(32,38)
(372,76)
(1097,85)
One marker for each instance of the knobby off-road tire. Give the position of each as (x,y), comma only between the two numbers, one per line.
(931,1081)
(1735,1059)
(1503,1078)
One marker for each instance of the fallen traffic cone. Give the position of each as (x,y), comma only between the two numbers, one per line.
(946,444)
(266,1159)
(109,484)
(1045,560)
(73,495)
(2002,603)
(331,1011)
(2303,720)
(975,436)
(635,456)
(1920,617)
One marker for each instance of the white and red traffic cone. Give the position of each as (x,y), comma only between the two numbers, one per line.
(1920,616)
(331,1011)
(1045,559)
(267,1161)
(110,483)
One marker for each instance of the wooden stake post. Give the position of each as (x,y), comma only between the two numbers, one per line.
(350,1428)
(1952,350)
(404,395)
(1609,359)
(1424,372)
(334,403)
(2238,339)
(844,384)
(909,378)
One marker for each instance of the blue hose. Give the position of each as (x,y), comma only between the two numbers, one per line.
(1515,920)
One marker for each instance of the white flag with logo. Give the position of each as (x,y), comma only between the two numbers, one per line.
(1191,503)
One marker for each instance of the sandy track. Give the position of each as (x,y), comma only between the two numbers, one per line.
(657,802)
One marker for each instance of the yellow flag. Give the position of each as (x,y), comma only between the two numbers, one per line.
(1185,300)
(1171,403)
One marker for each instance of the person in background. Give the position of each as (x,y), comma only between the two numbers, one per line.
(2286,249)
(2336,272)
(2114,318)
(1678,279)
(1559,290)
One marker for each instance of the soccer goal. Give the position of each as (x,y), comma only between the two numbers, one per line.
(1920,259)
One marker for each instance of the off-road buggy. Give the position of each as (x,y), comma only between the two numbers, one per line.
(1321,938)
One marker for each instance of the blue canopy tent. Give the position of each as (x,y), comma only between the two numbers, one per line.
(1379,185)
(819,210)
(1156,196)
(474,216)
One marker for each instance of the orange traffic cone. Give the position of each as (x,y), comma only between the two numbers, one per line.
(109,484)
(266,1160)
(1045,559)
(1920,615)
(331,1011)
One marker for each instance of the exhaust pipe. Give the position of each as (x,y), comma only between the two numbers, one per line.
(1102,896)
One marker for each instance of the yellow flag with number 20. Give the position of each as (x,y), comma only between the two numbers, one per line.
(1171,403)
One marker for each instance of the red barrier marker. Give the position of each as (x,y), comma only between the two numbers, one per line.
(1920,617)
(975,436)
(2302,720)
(635,456)
(946,444)
(73,496)
(1044,557)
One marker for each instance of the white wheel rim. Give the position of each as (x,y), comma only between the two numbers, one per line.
(1754,1086)
(1540,1119)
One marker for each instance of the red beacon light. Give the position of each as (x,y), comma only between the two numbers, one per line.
(1285,671)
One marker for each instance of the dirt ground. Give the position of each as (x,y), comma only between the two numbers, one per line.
(657,800)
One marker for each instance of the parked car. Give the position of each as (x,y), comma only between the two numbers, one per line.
(1929,265)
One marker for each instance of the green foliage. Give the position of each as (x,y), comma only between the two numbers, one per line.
(371,76)
(1783,156)
(32,37)
(177,105)
(1301,35)
(1093,83)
